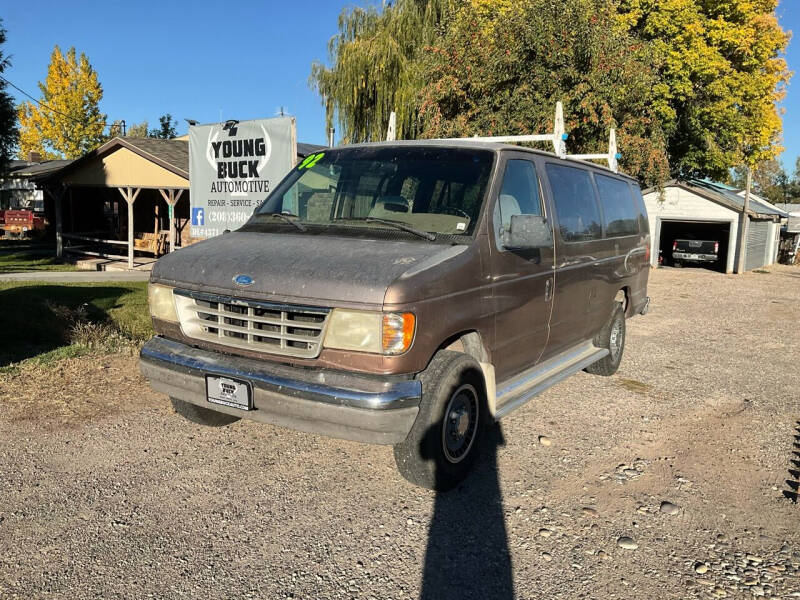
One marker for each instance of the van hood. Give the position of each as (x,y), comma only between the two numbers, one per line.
(318,270)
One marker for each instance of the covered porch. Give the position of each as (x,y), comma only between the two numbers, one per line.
(127,200)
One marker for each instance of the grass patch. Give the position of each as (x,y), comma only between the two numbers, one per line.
(48,322)
(19,256)
(46,359)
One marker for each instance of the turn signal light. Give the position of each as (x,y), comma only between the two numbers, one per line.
(398,332)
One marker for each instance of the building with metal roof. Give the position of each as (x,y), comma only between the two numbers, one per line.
(701,209)
(18,189)
(792,224)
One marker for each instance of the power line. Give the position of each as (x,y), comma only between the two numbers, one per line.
(42,104)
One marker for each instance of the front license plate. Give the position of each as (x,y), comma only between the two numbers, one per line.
(229,392)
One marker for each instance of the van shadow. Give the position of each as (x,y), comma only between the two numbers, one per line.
(35,319)
(467,555)
(792,490)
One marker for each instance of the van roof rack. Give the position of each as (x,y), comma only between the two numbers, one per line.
(557,138)
(612,157)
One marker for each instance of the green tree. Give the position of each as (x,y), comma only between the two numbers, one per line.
(792,189)
(770,180)
(67,122)
(499,68)
(137,130)
(115,129)
(721,77)
(9,132)
(166,129)
(374,67)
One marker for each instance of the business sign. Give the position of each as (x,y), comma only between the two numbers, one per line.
(233,166)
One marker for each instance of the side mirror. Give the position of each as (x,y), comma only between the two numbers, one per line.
(527,232)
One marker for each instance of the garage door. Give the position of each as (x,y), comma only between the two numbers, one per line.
(757,235)
(669,231)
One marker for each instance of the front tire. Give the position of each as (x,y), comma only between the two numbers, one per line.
(444,442)
(611,337)
(202,416)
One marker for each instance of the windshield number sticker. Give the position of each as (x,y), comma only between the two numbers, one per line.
(310,161)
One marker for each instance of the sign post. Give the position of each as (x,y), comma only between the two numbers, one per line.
(233,166)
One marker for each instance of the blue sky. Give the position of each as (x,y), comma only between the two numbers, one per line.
(214,61)
(789,15)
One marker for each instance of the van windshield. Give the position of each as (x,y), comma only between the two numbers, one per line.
(431,189)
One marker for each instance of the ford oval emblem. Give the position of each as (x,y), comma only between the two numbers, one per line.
(243,280)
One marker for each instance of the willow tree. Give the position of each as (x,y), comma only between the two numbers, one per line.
(374,67)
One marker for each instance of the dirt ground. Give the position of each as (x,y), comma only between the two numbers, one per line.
(106,493)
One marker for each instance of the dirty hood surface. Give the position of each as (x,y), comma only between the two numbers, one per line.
(285,267)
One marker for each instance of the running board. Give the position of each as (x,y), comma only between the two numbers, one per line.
(519,389)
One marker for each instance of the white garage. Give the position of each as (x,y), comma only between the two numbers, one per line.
(712,211)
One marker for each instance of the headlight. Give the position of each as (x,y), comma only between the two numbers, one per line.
(162,304)
(375,332)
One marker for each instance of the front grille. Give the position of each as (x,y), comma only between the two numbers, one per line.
(275,328)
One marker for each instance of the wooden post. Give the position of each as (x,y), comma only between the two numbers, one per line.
(130,198)
(57,196)
(171,197)
(59,227)
(157,225)
(743,223)
(71,211)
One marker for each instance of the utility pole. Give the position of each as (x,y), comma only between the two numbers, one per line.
(743,221)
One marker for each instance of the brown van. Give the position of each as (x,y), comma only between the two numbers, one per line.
(404,293)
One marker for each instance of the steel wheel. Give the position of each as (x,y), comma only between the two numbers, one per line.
(460,423)
(612,337)
(616,339)
(443,444)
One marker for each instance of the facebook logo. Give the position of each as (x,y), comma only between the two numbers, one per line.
(198,216)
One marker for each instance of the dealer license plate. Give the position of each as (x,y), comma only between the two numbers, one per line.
(229,392)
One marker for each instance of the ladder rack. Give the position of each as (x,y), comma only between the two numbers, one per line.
(557,138)
(612,157)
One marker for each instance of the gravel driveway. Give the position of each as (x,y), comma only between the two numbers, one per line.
(668,480)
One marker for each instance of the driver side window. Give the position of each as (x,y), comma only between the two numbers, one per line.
(519,194)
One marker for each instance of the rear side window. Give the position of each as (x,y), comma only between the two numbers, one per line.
(640,208)
(576,204)
(619,213)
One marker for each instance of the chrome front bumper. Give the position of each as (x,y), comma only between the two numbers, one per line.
(378,410)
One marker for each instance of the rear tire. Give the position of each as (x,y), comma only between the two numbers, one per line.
(444,442)
(202,416)
(611,337)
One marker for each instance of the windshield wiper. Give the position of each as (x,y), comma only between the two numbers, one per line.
(287,216)
(396,224)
